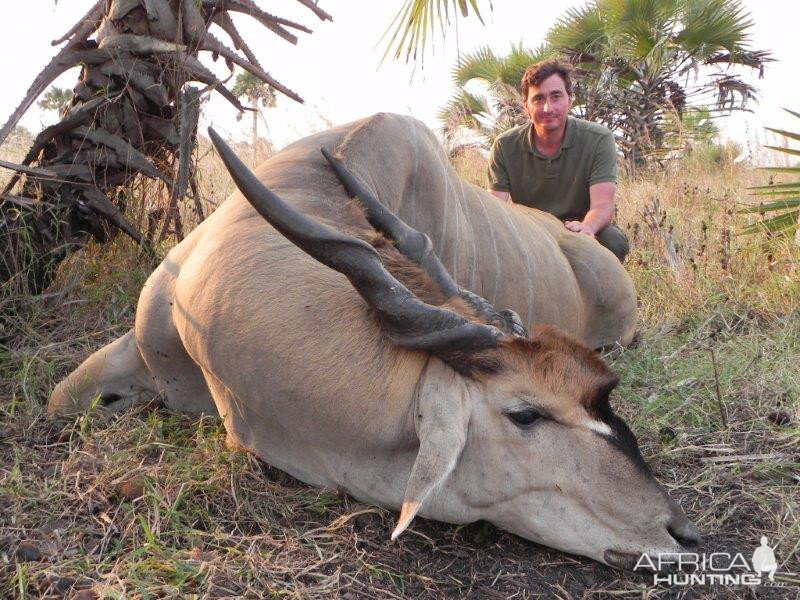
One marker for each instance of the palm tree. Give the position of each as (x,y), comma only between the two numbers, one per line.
(497,105)
(56,99)
(785,197)
(640,60)
(134,114)
(250,87)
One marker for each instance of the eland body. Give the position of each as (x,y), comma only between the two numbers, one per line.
(362,351)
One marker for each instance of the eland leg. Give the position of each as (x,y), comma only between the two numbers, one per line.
(116,374)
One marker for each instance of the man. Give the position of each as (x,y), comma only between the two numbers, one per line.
(557,163)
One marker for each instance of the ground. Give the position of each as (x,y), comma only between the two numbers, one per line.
(149,504)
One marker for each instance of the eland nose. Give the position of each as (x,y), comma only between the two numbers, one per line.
(684,532)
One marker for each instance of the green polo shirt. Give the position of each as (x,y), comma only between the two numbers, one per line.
(557,184)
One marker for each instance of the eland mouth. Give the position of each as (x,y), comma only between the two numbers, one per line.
(621,560)
(645,562)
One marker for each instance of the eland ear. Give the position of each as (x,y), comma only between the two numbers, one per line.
(441,419)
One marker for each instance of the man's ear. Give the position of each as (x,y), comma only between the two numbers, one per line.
(525,108)
(441,419)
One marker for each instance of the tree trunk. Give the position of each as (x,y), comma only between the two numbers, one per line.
(131,115)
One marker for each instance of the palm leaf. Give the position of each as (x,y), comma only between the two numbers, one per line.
(777,205)
(640,26)
(784,150)
(580,29)
(780,169)
(784,222)
(519,59)
(777,188)
(787,220)
(408,32)
(463,110)
(482,64)
(711,24)
(786,134)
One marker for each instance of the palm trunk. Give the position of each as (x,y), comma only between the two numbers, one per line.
(132,115)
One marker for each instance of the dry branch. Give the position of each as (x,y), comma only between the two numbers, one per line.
(64,60)
(84,26)
(100,204)
(29,171)
(127,154)
(224,21)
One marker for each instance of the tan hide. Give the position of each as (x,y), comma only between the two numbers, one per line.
(238,320)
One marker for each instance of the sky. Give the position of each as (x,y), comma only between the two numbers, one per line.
(337,69)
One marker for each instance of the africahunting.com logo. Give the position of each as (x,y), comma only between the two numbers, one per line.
(716,568)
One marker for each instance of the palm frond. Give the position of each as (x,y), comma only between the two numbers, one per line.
(639,26)
(786,134)
(408,32)
(482,64)
(787,220)
(708,25)
(783,149)
(463,110)
(755,59)
(777,205)
(581,30)
(775,189)
(519,59)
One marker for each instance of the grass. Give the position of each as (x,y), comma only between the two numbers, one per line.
(150,504)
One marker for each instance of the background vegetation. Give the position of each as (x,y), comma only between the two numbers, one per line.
(655,73)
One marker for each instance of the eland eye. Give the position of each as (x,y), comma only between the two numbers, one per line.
(524,417)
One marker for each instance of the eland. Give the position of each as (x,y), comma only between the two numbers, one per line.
(338,313)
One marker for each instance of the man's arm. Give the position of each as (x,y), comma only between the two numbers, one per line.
(499,184)
(601,209)
(602,186)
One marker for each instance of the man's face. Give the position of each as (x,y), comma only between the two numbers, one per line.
(548,104)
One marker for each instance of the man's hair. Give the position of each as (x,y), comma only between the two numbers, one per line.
(537,73)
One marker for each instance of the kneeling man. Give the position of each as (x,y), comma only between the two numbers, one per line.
(557,163)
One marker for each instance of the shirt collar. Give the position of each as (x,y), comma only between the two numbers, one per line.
(569,138)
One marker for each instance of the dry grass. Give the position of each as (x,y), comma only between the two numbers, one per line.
(152,505)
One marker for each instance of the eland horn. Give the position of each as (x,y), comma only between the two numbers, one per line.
(408,321)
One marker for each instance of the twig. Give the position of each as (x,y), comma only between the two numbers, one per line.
(745,458)
(717,389)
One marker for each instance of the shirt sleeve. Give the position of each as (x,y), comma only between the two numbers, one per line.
(604,163)
(498,175)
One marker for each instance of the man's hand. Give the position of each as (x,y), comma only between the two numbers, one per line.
(579,227)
